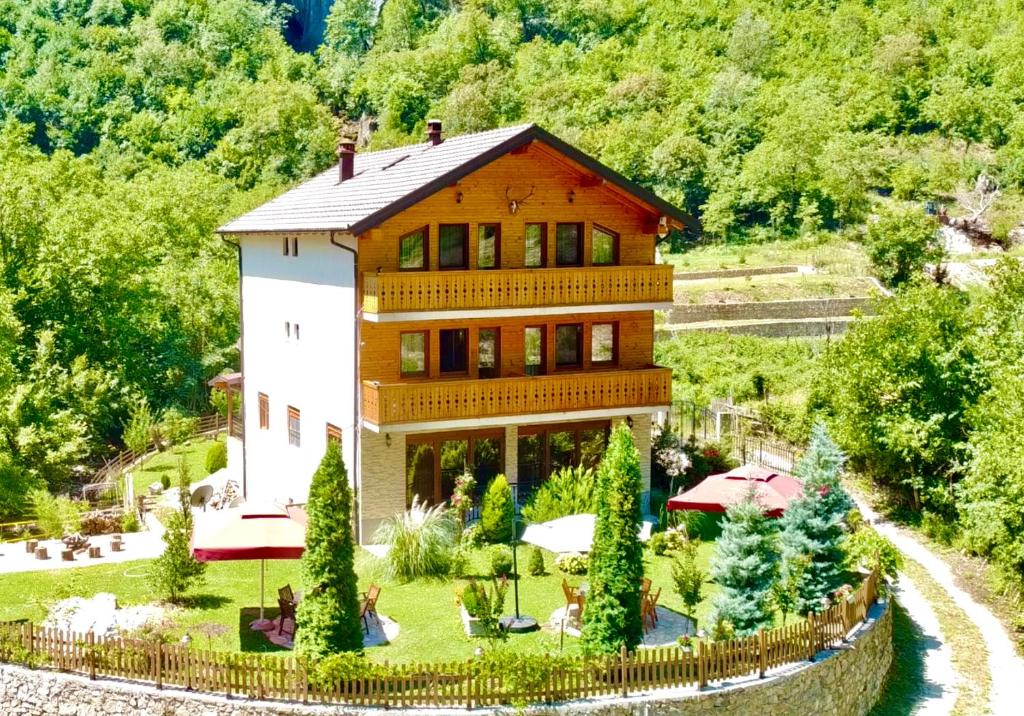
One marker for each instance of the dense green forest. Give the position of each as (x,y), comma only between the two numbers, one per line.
(129,129)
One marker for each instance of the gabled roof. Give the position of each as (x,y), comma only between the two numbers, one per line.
(387,182)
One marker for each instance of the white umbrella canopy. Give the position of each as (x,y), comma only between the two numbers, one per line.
(573,533)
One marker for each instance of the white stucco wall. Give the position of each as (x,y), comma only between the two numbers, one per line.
(313,374)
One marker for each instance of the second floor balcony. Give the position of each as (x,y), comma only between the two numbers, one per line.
(432,404)
(409,295)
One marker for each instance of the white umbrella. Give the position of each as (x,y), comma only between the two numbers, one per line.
(573,533)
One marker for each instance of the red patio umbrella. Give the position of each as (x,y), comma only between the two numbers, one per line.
(775,490)
(260,532)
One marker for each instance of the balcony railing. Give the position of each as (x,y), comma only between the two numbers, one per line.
(515,288)
(398,403)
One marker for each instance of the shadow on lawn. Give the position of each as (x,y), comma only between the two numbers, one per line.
(159,468)
(251,640)
(206,601)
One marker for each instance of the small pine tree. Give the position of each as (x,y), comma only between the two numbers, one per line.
(745,567)
(176,570)
(327,620)
(497,511)
(612,617)
(813,525)
(689,579)
(216,457)
(536,566)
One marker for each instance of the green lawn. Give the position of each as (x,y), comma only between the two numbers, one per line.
(166,462)
(835,256)
(425,610)
(771,288)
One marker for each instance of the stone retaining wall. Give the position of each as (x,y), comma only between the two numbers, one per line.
(795,328)
(846,682)
(734,273)
(764,310)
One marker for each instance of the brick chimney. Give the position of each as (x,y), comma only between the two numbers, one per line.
(346,159)
(434,131)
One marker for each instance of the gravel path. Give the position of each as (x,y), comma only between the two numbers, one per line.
(1005,666)
(937,695)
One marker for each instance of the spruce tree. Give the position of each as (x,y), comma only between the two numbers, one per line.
(612,615)
(746,567)
(176,570)
(327,620)
(813,525)
(497,511)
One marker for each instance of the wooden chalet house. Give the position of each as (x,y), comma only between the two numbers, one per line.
(483,301)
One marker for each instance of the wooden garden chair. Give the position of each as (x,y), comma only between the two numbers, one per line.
(286,593)
(287,614)
(645,588)
(369,607)
(649,609)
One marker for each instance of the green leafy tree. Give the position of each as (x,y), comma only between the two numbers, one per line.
(612,617)
(813,525)
(139,431)
(327,620)
(176,571)
(746,567)
(497,511)
(689,579)
(900,242)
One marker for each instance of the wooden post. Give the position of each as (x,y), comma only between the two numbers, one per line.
(305,680)
(90,640)
(625,674)
(702,673)
(31,640)
(469,684)
(762,651)
(159,665)
(811,648)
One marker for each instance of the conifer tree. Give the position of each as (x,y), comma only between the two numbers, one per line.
(176,570)
(812,526)
(327,619)
(746,567)
(612,617)
(497,511)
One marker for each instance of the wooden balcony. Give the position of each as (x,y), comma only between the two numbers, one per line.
(438,401)
(515,288)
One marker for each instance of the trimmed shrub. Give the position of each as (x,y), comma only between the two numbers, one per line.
(536,565)
(497,511)
(572,563)
(165,481)
(658,543)
(327,619)
(501,561)
(130,522)
(569,491)
(216,457)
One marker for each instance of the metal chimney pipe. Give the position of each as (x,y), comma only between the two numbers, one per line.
(346,160)
(434,131)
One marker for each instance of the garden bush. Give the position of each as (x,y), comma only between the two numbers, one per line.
(572,563)
(165,481)
(497,511)
(421,541)
(176,427)
(658,543)
(536,565)
(130,521)
(458,565)
(486,606)
(56,516)
(501,561)
(569,491)
(473,536)
(216,457)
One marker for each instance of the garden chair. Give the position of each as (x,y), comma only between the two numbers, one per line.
(649,609)
(370,597)
(286,593)
(287,614)
(645,587)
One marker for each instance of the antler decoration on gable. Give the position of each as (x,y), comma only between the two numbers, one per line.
(514,204)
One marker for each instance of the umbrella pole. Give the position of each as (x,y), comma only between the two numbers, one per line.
(262,624)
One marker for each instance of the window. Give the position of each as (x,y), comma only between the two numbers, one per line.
(264,405)
(412,250)
(290,246)
(296,331)
(293,426)
(569,245)
(295,246)
(287,329)
(454,350)
(285,246)
(333,435)
(488,246)
(419,472)
(568,344)
(604,247)
(453,246)
(487,352)
(604,344)
(535,350)
(543,450)
(434,462)
(414,353)
(536,245)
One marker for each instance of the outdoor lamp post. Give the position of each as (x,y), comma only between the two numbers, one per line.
(520,623)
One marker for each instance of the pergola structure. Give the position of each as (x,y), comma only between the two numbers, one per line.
(231,384)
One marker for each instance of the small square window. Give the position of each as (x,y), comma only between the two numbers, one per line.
(296,331)
(569,245)
(453,246)
(454,350)
(264,404)
(285,246)
(603,344)
(414,353)
(568,341)
(287,329)
(536,245)
(412,250)
(488,249)
(293,426)
(295,246)
(604,248)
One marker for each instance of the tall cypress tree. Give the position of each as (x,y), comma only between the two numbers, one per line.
(612,615)
(745,567)
(812,526)
(327,620)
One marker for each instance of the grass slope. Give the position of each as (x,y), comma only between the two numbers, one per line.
(833,255)
(193,452)
(771,288)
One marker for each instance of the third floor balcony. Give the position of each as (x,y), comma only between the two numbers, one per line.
(410,295)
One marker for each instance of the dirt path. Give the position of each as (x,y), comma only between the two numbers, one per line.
(1006,696)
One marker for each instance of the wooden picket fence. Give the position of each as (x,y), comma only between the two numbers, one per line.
(473,683)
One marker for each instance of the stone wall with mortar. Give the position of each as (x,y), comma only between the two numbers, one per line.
(846,682)
(734,273)
(762,310)
(790,328)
